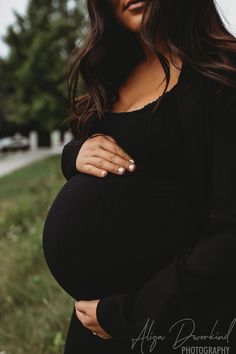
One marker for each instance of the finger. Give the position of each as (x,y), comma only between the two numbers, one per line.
(82,305)
(104,164)
(89,324)
(84,319)
(113,147)
(116,161)
(92,170)
(87,307)
(102,333)
(110,138)
(103,337)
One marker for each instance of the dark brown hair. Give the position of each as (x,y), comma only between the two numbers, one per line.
(192,30)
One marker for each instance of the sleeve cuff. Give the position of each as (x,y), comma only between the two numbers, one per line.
(110,314)
(69,155)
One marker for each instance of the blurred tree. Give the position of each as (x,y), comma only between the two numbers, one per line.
(33,76)
(2,93)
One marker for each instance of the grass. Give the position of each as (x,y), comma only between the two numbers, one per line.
(34,310)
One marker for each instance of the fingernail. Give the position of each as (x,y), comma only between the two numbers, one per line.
(131,168)
(131,160)
(103,173)
(121,170)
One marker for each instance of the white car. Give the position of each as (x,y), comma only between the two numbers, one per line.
(14,143)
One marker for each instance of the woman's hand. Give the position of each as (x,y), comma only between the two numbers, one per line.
(86,313)
(101,154)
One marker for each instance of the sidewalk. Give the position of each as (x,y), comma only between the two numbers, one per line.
(19,159)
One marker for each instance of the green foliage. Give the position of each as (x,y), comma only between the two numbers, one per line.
(34,310)
(33,76)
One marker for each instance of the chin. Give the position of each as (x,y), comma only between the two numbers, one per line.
(135,25)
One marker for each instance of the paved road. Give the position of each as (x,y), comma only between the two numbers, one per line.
(16,160)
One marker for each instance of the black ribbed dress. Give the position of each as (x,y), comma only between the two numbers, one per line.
(104,236)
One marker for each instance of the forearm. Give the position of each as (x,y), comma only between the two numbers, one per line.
(68,157)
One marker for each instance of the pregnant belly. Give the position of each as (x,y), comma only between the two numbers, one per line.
(107,235)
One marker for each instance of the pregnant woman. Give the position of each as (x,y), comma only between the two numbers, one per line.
(143,233)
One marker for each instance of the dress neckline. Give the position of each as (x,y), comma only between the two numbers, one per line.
(149,104)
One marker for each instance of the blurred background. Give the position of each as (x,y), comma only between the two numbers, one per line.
(36,38)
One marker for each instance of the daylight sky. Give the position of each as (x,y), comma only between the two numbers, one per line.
(6,16)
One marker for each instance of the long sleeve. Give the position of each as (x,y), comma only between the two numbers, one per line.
(200,282)
(68,156)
